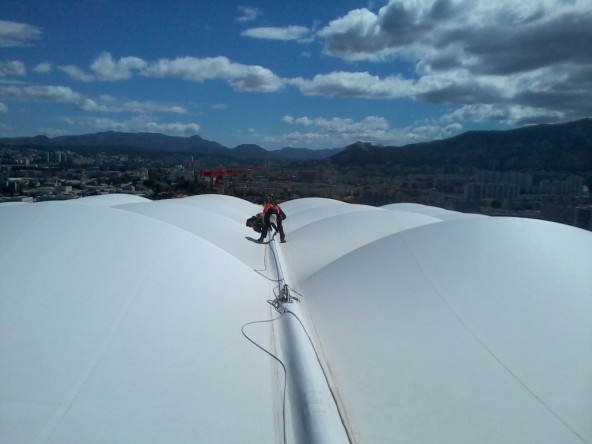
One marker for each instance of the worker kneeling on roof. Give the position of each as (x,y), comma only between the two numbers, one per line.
(272,216)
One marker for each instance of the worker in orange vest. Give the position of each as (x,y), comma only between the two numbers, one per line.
(272,218)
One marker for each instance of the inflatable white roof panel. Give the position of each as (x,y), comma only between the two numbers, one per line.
(458,327)
(128,320)
(108,200)
(120,328)
(439,213)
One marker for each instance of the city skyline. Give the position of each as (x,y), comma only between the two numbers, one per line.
(279,74)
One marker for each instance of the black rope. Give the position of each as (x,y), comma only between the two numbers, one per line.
(279,361)
(276,304)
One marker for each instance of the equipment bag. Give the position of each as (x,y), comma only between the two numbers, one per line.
(256,223)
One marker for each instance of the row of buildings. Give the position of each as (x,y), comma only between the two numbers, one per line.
(34,175)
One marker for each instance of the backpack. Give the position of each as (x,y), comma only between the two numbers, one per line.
(256,223)
(281,213)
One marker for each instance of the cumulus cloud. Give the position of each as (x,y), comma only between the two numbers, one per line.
(242,78)
(297,33)
(132,125)
(107,69)
(12,68)
(112,105)
(102,104)
(298,139)
(141,107)
(90,105)
(76,73)
(371,124)
(355,84)
(506,114)
(247,14)
(55,94)
(14,34)
(172,128)
(320,132)
(506,34)
(536,55)
(43,68)
(356,36)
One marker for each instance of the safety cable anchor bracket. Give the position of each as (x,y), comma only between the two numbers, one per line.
(285,297)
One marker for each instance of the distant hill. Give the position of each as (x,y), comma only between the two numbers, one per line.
(112,141)
(566,146)
(305,153)
(361,153)
(250,151)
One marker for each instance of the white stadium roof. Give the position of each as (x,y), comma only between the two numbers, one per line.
(126,320)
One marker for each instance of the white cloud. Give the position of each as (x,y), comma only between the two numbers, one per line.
(506,114)
(172,128)
(52,132)
(43,68)
(107,69)
(138,124)
(56,94)
(298,33)
(533,54)
(509,35)
(247,14)
(111,105)
(77,74)
(174,109)
(140,107)
(12,68)
(103,104)
(3,108)
(356,36)
(323,132)
(14,34)
(355,84)
(243,78)
(90,105)
(298,139)
(432,131)
(97,124)
(370,124)
(104,68)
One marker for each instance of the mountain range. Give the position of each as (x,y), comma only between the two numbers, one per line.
(566,146)
(118,142)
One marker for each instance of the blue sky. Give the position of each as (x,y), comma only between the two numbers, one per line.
(316,74)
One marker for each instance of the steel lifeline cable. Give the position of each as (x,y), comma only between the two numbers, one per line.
(281,297)
(280,362)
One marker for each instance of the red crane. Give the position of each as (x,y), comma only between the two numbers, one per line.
(217,175)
